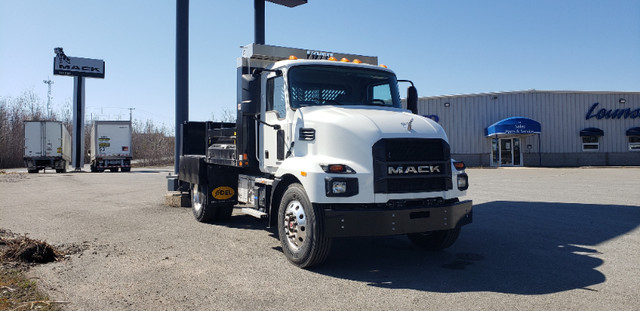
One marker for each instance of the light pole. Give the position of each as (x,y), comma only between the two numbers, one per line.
(48,82)
(258,6)
(182,61)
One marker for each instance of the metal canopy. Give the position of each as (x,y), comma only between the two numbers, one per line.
(592,131)
(514,126)
(634,131)
(289,3)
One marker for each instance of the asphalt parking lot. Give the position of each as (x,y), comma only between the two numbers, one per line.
(541,238)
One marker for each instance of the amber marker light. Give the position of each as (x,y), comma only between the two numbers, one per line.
(345,60)
(336,168)
(292,57)
(459,165)
(383,65)
(304,174)
(333,59)
(357,61)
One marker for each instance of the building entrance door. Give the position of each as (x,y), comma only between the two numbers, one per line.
(507,152)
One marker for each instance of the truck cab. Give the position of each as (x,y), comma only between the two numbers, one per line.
(323,148)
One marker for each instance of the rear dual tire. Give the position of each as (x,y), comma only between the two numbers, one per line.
(203,210)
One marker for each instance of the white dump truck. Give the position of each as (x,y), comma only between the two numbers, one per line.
(111,146)
(322,148)
(46,144)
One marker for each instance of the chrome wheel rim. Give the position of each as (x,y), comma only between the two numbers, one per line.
(196,198)
(295,225)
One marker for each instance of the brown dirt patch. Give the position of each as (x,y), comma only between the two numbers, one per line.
(24,249)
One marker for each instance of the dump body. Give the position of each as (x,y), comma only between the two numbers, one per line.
(111,146)
(46,144)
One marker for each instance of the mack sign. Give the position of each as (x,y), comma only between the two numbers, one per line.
(78,66)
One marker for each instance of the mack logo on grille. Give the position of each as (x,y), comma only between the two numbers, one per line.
(423,169)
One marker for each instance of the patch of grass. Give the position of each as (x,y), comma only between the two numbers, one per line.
(19,293)
(17,255)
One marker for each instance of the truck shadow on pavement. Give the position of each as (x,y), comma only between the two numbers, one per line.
(526,248)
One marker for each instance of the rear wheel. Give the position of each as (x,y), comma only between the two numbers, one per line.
(435,240)
(301,229)
(203,211)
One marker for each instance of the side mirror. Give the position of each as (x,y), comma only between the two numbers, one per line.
(412,99)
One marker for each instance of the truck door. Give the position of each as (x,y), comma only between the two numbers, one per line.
(273,130)
(52,139)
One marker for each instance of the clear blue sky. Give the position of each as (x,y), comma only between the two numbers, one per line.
(445,47)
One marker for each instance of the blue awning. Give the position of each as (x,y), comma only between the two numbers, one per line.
(592,131)
(634,131)
(514,126)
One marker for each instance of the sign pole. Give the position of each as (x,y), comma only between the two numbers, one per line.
(79,68)
(77,150)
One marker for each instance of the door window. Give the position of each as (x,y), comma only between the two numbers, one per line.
(506,151)
(275,96)
(516,152)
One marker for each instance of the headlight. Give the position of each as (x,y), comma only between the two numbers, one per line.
(340,187)
(463,181)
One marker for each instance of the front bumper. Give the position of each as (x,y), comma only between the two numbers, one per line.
(380,222)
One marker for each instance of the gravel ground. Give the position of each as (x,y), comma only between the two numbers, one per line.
(541,239)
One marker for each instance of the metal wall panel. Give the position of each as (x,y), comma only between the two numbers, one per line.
(562,114)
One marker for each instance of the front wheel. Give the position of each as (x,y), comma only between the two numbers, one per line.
(435,240)
(301,229)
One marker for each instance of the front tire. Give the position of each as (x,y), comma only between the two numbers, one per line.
(203,211)
(301,229)
(435,240)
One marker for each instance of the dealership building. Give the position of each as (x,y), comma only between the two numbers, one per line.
(540,128)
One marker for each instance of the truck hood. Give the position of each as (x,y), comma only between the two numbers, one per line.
(361,121)
(349,132)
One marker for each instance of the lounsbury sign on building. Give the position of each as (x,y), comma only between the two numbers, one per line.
(604,113)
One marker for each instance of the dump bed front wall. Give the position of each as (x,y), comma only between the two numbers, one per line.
(111,139)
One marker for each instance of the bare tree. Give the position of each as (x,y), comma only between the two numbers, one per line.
(152,144)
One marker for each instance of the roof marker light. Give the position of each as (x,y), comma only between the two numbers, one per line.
(292,57)
(333,59)
(344,60)
(357,61)
(383,65)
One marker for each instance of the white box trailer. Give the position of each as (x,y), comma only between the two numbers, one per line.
(46,144)
(111,146)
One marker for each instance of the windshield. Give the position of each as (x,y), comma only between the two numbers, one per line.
(338,85)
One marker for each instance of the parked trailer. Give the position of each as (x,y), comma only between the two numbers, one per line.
(111,146)
(46,144)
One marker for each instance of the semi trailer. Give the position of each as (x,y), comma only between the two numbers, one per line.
(322,148)
(111,146)
(46,144)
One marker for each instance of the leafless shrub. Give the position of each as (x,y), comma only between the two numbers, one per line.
(152,144)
